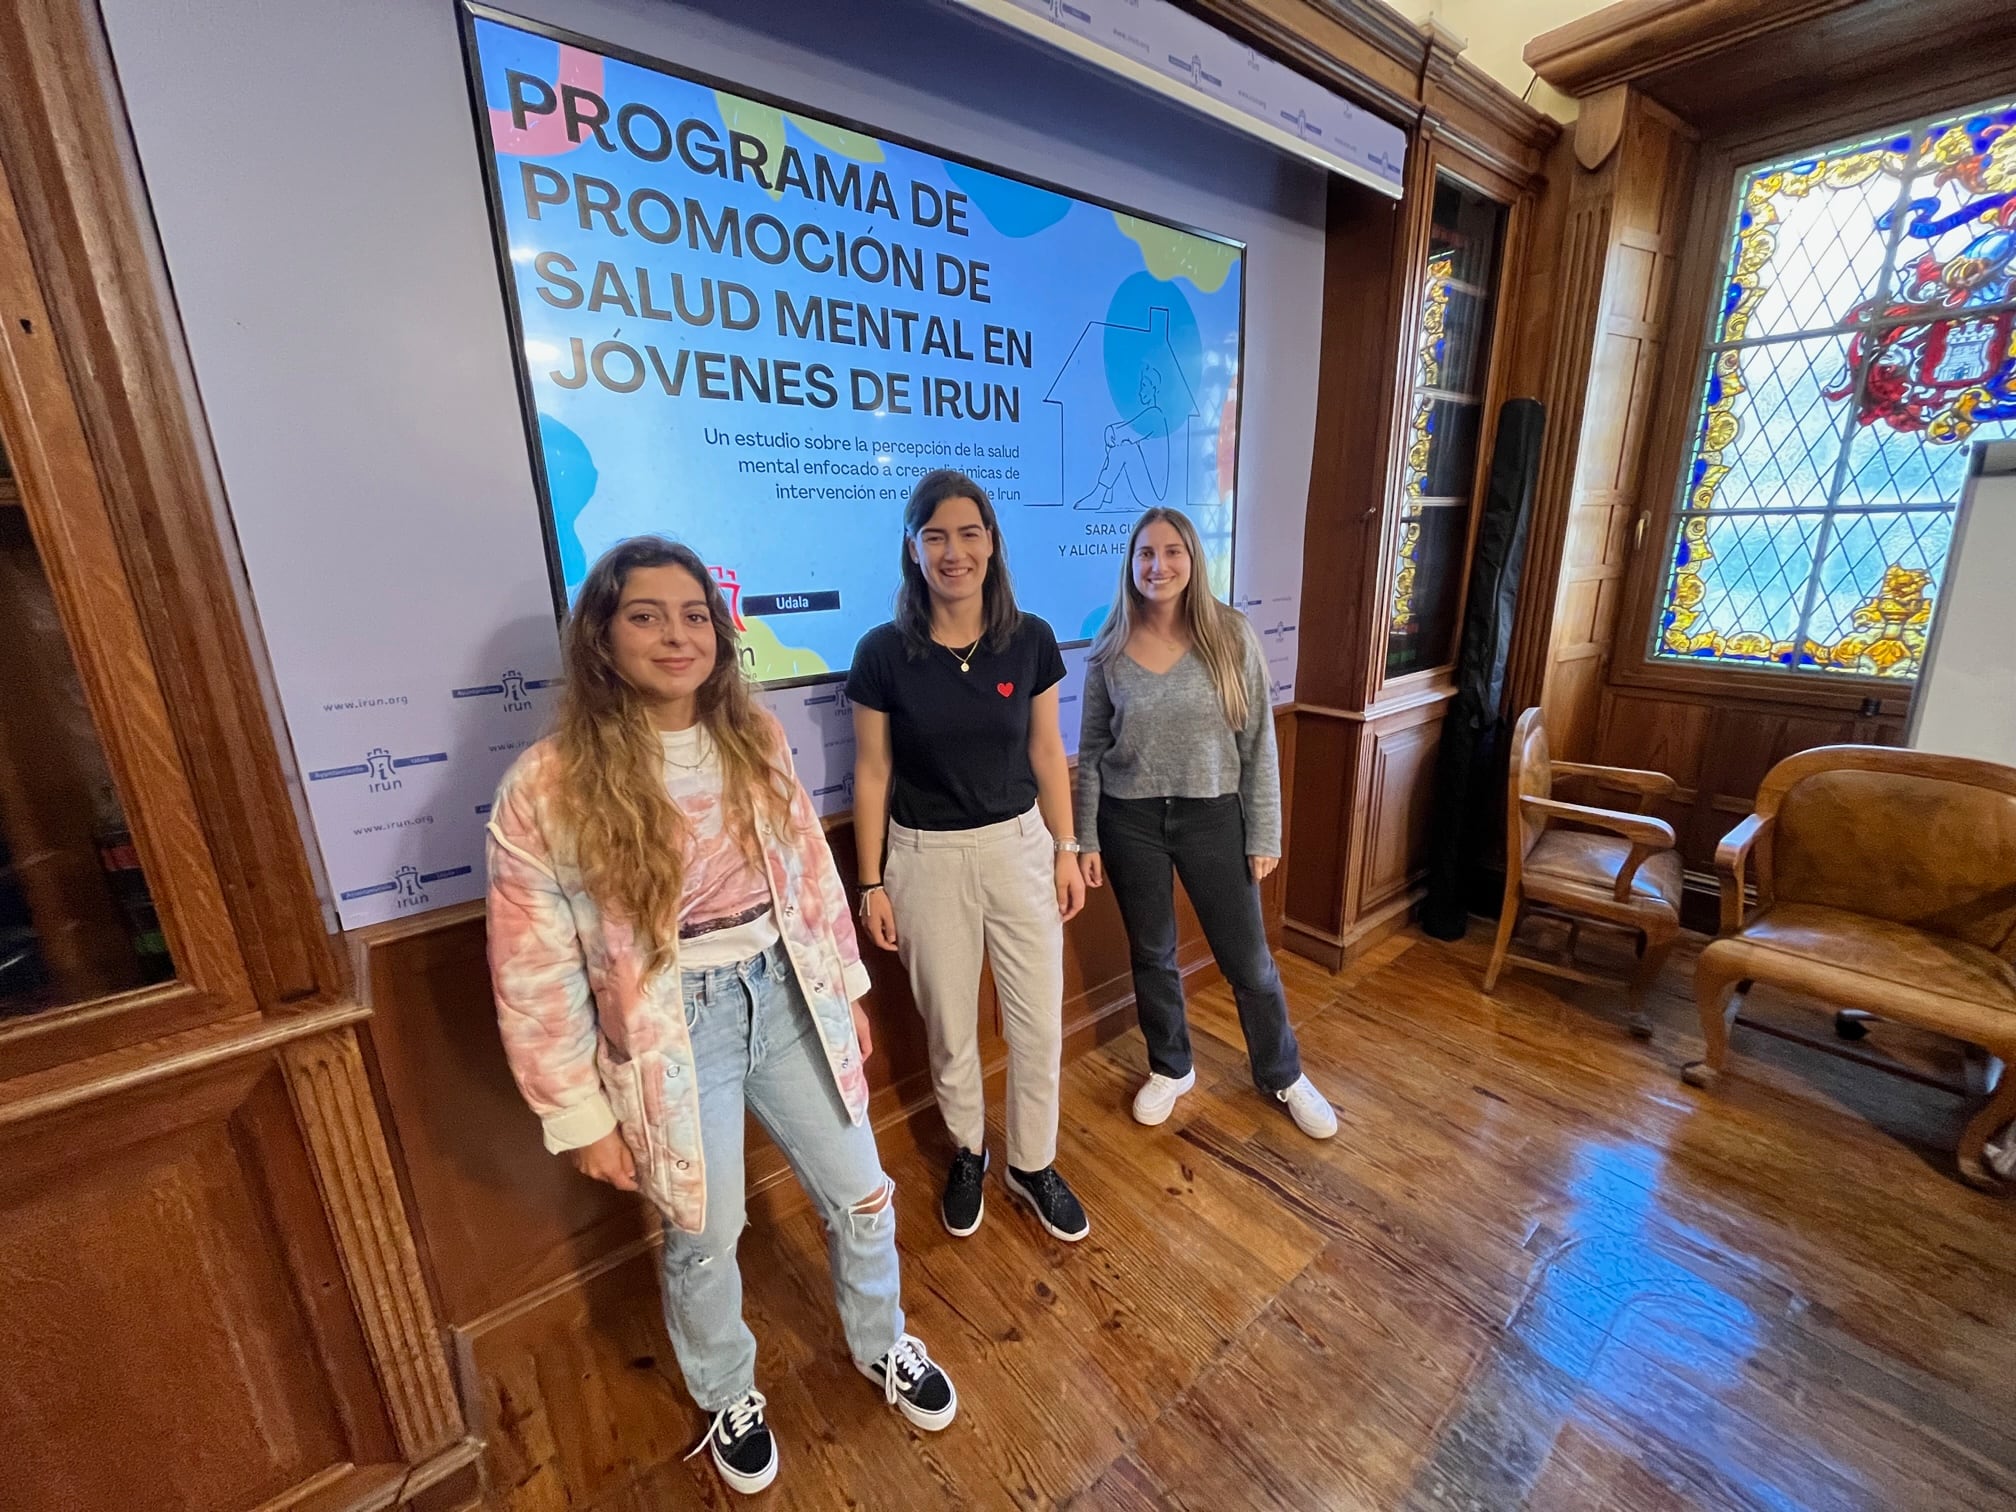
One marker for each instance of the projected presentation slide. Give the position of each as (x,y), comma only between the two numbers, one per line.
(752,329)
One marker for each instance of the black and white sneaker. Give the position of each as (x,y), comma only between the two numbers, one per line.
(965,1196)
(740,1441)
(1051,1200)
(913,1384)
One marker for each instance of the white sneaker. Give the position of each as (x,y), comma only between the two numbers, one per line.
(1310,1109)
(1158,1095)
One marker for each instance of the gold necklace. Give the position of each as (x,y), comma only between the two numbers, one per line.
(964,658)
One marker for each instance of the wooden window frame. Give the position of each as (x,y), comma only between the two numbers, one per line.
(123,501)
(73,534)
(1446,158)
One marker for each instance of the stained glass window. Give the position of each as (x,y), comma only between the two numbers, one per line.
(1446,408)
(1866,332)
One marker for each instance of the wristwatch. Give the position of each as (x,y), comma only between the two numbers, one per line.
(1069,846)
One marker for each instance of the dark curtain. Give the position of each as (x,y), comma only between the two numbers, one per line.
(1474,732)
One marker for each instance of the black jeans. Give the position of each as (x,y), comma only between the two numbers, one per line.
(1204,841)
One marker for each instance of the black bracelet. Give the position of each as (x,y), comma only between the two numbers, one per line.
(868,887)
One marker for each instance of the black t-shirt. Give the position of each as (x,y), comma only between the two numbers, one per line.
(959,740)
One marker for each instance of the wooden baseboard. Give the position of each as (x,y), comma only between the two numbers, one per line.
(447,1481)
(1334,952)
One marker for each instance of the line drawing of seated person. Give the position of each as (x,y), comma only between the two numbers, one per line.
(1134,473)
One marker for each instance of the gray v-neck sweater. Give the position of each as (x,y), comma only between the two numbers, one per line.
(1147,736)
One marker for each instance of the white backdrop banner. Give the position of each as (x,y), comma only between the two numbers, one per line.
(371,438)
(400,776)
(1153,44)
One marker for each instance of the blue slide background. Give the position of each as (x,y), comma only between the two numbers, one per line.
(1131,397)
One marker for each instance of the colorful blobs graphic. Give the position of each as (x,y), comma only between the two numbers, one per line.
(570,481)
(766,123)
(1171,254)
(558,67)
(849,144)
(1011,207)
(1153,351)
(773,659)
(1228,449)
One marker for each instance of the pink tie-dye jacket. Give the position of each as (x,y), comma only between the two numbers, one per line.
(591,1046)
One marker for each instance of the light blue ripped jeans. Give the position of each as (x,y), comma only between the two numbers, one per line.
(754,1046)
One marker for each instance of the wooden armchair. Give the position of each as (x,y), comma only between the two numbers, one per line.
(1886,883)
(1625,878)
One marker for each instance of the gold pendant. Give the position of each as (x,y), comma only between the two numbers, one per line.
(964,668)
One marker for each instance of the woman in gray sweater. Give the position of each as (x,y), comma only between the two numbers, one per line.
(1177,774)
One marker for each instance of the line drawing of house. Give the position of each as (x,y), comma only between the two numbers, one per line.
(1122,462)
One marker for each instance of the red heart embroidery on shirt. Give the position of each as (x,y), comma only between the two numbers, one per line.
(1004,689)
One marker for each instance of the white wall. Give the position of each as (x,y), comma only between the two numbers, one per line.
(1496,33)
(313,169)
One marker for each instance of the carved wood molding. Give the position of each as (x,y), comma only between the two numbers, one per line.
(1620,42)
(68,150)
(1370,53)
(360,1192)
(1462,102)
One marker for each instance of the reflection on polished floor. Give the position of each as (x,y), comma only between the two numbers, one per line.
(1532,1270)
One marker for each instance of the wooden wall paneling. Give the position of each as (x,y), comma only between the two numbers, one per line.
(67,149)
(1322,779)
(1718,748)
(1274,891)
(173,1318)
(1613,273)
(1357,417)
(1398,798)
(497,1217)
(353,1169)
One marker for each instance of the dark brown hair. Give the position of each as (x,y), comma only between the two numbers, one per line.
(999,616)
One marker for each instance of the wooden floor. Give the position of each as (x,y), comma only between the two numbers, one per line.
(1532,1270)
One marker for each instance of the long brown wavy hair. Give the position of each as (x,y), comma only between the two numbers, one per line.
(1218,631)
(628,835)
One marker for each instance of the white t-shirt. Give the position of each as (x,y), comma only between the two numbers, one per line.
(724,912)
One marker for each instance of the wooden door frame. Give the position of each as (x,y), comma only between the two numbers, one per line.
(113,340)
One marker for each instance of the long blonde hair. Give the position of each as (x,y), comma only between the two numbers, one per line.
(1218,632)
(627,834)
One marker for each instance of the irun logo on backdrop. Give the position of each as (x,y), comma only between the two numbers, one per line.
(380,767)
(409,883)
(514,687)
(845,787)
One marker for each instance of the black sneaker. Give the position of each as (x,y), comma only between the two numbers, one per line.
(740,1441)
(1052,1202)
(965,1199)
(913,1384)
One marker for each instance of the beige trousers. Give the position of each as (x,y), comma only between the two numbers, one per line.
(959,896)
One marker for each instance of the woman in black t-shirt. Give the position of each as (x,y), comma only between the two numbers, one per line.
(960,778)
